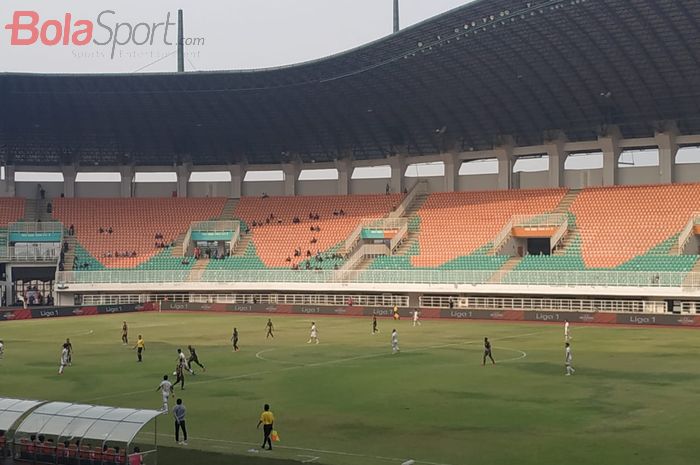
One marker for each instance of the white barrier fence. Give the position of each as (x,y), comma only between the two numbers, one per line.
(688,281)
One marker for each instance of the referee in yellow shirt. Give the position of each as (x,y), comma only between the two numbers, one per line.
(140,347)
(267,419)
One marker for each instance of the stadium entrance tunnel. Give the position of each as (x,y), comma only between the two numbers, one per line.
(61,432)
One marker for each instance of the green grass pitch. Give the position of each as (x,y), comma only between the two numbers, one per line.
(349,401)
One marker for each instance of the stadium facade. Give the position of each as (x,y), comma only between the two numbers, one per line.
(493,80)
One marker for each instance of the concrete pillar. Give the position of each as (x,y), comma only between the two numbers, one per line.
(668,148)
(344,167)
(609,145)
(183,178)
(504,155)
(237,177)
(452,165)
(10,180)
(398,170)
(291,174)
(127,182)
(557,159)
(69,175)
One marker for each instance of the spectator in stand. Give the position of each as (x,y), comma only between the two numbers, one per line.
(101,230)
(49,208)
(42,192)
(314,240)
(110,230)
(71,230)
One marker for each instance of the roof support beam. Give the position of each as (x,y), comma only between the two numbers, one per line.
(610,146)
(554,149)
(504,155)
(668,148)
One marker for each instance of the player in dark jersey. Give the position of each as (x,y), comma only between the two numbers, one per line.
(234,339)
(270,328)
(375,330)
(179,377)
(487,351)
(69,346)
(194,359)
(125,334)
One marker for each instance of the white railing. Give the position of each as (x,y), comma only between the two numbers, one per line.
(400,235)
(35,227)
(687,232)
(236,237)
(544,304)
(603,279)
(421,187)
(547,220)
(504,234)
(366,250)
(365,300)
(32,255)
(559,234)
(213,226)
(355,237)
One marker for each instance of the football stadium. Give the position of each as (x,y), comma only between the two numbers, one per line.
(475,241)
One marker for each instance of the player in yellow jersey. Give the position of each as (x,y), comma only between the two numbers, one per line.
(140,348)
(267,419)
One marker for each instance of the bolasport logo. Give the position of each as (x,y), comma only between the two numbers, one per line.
(107,30)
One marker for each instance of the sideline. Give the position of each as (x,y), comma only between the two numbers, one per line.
(395,460)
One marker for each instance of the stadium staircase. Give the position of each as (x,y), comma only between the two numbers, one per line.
(197,271)
(567,201)
(69,259)
(30,210)
(229,209)
(178,250)
(510,265)
(691,279)
(573,236)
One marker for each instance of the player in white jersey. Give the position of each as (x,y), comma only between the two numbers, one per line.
(64,359)
(395,342)
(2,349)
(568,361)
(182,361)
(416,315)
(314,334)
(567,333)
(166,389)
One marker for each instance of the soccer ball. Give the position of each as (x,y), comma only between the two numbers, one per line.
(174,373)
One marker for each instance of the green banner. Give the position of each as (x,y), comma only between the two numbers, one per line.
(35,237)
(211,236)
(377,234)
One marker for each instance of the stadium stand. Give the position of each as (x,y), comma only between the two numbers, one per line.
(460,224)
(276,235)
(11,210)
(134,223)
(620,223)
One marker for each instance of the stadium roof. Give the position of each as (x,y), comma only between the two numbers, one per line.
(68,421)
(466,78)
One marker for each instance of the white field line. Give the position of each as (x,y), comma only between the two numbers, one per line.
(317,364)
(304,449)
